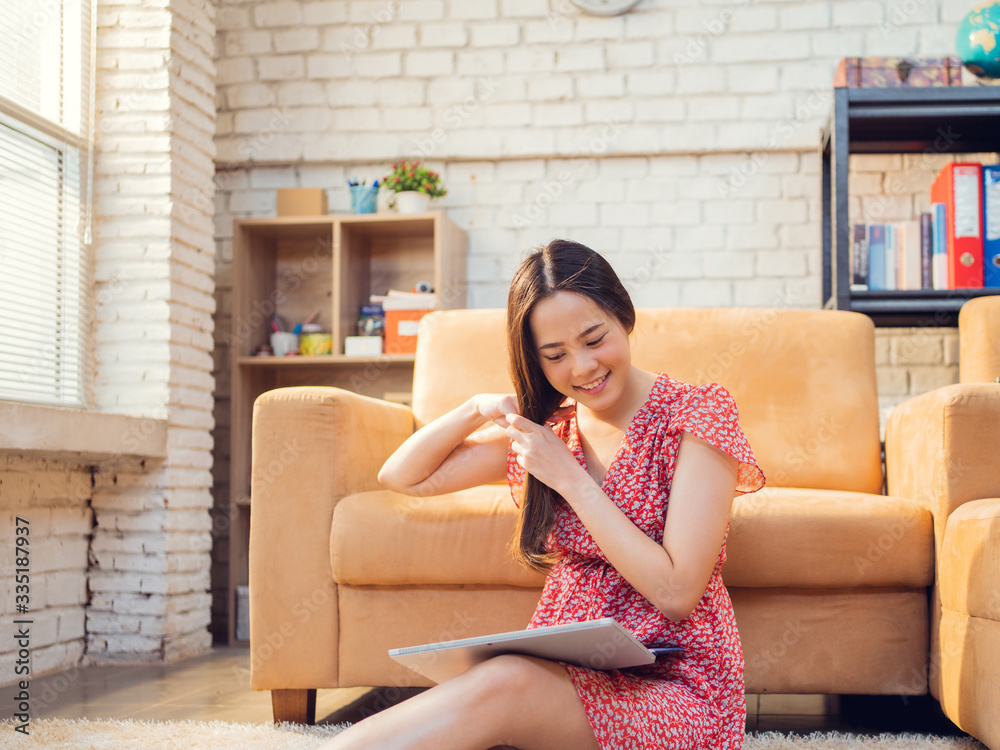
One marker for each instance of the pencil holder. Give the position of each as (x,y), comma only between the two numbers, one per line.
(284,342)
(363,198)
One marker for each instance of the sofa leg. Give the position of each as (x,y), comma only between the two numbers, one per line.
(298,706)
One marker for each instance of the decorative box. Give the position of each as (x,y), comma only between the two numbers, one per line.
(897,72)
(401,328)
(301,202)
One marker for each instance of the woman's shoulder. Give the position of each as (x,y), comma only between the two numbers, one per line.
(675,395)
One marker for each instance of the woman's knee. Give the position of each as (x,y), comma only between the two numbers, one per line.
(505,675)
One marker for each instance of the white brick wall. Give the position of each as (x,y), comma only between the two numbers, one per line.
(53,497)
(680,139)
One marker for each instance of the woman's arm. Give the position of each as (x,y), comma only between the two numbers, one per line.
(449,454)
(674,575)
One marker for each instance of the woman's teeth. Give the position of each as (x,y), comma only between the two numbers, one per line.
(592,386)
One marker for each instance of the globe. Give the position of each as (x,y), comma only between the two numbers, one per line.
(978,42)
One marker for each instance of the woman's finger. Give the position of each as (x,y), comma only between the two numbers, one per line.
(561,414)
(519,423)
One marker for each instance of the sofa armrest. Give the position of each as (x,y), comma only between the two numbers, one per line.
(312,446)
(969,568)
(968,651)
(941,449)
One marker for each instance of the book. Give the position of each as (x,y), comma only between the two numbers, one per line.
(876,256)
(910,276)
(991,225)
(859,258)
(939,259)
(597,644)
(926,250)
(959,186)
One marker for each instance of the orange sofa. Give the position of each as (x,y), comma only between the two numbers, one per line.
(833,581)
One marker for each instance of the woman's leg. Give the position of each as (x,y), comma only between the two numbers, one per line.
(520,701)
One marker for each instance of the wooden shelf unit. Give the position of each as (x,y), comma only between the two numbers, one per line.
(291,266)
(947,119)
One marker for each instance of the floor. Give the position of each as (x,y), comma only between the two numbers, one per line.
(216,685)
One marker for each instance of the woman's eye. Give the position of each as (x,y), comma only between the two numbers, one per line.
(555,358)
(596,342)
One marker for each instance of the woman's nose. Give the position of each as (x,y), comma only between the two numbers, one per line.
(584,363)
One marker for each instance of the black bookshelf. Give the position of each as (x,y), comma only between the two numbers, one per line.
(934,120)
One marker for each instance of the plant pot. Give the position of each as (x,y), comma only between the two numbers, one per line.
(412,202)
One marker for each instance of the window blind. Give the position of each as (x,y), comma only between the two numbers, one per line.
(46,349)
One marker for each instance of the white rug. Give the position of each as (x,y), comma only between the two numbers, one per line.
(106,734)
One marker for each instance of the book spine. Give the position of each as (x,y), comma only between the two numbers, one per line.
(940,257)
(876,256)
(891,256)
(911,276)
(991,226)
(967,261)
(926,250)
(859,258)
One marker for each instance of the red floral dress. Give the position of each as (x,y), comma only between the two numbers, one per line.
(695,701)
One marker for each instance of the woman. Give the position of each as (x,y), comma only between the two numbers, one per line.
(593,449)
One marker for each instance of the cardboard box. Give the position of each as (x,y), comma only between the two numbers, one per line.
(401,330)
(897,72)
(301,202)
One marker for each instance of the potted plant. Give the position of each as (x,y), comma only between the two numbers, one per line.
(414,186)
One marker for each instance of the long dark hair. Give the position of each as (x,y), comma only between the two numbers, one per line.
(562,265)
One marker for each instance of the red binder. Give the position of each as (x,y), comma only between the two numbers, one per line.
(960,187)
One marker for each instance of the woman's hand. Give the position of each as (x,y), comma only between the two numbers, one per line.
(494,407)
(541,452)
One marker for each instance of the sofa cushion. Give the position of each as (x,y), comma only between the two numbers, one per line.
(789,537)
(383,537)
(778,537)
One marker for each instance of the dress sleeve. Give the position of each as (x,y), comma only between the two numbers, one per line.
(709,412)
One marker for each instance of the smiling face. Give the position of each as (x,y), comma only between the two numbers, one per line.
(583,350)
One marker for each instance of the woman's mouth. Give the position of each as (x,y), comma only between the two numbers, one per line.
(596,386)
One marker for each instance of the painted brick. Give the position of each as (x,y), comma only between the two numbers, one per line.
(479,9)
(580,58)
(497,34)
(394,37)
(326,12)
(630,55)
(449,34)
(866,13)
(593,28)
(425,64)
(421,10)
(267,15)
(554,30)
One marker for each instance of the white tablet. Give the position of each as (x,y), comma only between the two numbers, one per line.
(597,644)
